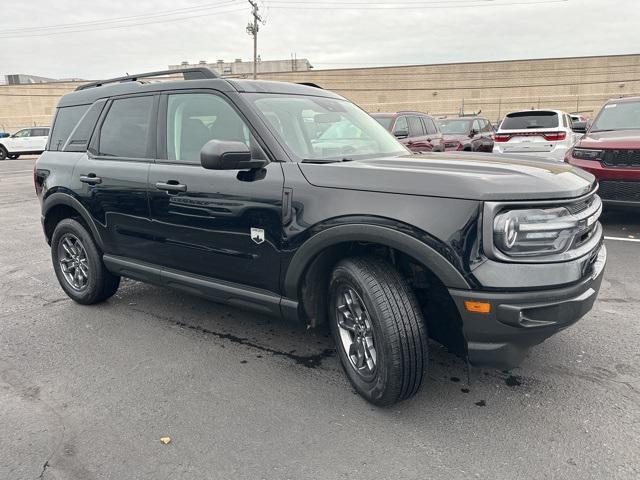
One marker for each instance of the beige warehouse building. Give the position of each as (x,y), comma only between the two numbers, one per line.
(580,84)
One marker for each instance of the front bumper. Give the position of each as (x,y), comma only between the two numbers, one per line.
(520,319)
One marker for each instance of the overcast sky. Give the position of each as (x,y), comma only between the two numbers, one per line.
(326,32)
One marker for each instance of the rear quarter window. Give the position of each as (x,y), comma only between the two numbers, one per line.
(64,123)
(533,119)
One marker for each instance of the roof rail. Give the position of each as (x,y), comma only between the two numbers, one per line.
(196,73)
(310,84)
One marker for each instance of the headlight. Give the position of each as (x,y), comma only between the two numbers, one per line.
(587,154)
(532,232)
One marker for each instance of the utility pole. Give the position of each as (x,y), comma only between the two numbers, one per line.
(252,29)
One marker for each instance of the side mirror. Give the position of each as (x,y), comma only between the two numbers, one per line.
(223,155)
(473,132)
(401,133)
(579,127)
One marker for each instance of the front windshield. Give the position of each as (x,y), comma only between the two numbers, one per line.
(618,116)
(454,127)
(319,128)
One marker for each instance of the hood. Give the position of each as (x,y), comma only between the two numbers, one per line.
(614,139)
(467,176)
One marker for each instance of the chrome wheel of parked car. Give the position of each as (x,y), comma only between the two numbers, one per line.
(73,261)
(356,331)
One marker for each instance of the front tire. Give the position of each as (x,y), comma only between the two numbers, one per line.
(378,329)
(78,264)
(3,152)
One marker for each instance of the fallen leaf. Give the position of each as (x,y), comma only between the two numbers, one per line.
(165,440)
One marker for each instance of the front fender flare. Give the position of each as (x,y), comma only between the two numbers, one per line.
(407,244)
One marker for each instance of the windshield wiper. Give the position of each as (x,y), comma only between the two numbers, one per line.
(324,160)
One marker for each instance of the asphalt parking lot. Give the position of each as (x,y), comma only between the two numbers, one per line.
(87,392)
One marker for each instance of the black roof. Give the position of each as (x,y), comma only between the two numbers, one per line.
(131,84)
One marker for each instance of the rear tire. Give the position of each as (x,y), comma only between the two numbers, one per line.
(78,264)
(3,152)
(14,157)
(378,329)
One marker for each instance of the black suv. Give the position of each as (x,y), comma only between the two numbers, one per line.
(232,189)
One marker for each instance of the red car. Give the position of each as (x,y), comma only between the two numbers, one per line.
(469,134)
(610,150)
(416,130)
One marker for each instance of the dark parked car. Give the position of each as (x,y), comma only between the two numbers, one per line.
(221,188)
(469,134)
(416,130)
(610,150)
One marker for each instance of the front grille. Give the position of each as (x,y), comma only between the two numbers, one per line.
(622,158)
(581,206)
(621,191)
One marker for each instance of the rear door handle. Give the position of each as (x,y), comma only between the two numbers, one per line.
(91,179)
(171,186)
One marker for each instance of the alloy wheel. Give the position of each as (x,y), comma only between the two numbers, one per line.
(73,261)
(356,331)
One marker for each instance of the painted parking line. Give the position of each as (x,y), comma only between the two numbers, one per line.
(622,239)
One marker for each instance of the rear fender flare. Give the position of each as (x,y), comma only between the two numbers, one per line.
(60,198)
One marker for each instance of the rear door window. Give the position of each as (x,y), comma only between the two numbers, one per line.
(125,130)
(532,119)
(430,127)
(415,127)
(39,132)
(65,122)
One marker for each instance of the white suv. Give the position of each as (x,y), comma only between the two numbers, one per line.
(543,133)
(26,141)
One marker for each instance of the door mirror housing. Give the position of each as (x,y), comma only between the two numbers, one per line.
(225,155)
(401,133)
(473,132)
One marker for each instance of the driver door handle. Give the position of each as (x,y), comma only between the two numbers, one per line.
(171,186)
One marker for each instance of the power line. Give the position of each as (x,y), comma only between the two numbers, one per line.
(293,5)
(172,18)
(203,6)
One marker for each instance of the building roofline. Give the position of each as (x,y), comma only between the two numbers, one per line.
(477,62)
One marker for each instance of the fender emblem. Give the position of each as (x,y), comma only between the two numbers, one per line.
(257,235)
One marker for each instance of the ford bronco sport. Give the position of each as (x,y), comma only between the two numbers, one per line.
(229,189)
